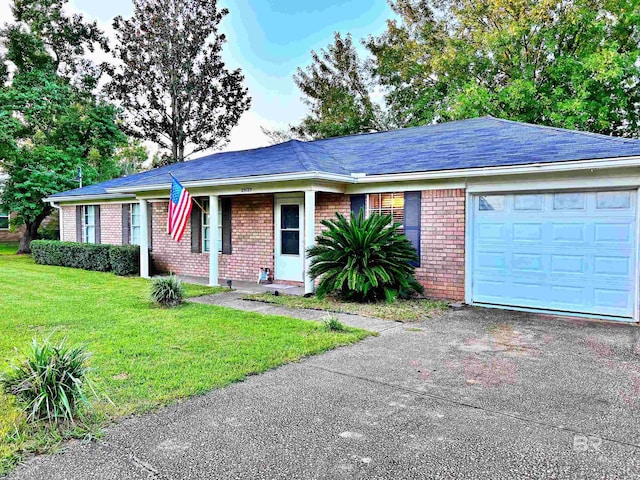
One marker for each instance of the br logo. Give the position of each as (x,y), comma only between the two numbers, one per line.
(582,443)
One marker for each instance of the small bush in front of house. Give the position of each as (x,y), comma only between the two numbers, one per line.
(167,291)
(122,260)
(125,259)
(364,259)
(49,382)
(332,324)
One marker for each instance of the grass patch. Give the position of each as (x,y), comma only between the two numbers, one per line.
(8,248)
(143,357)
(400,310)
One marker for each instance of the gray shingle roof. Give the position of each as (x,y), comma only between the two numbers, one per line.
(473,143)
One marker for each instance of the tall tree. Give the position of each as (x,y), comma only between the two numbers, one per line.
(171,80)
(337,90)
(131,157)
(51,122)
(571,64)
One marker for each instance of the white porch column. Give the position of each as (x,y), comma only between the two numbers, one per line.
(213,240)
(144,240)
(309,235)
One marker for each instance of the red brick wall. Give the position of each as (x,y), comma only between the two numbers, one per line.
(327,204)
(68,223)
(441,270)
(252,243)
(252,238)
(111,223)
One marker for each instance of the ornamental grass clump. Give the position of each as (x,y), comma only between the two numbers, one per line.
(49,382)
(364,260)
(167,291)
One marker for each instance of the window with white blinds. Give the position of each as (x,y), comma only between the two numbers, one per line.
(387,204)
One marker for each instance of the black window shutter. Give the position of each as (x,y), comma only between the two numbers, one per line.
(357,203)
(150,225)
(226,226)
(79,220)
(196,229)
(412,208)
(126,226)
(97,221)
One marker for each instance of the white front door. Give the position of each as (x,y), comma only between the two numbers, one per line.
(289,235)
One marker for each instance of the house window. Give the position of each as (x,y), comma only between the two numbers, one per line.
(89,227)
(4,221)
(206,225)
(134,223)
(387,204)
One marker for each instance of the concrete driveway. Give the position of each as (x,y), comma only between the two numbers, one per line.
(473,394)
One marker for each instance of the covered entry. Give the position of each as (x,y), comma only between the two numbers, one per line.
(564,251)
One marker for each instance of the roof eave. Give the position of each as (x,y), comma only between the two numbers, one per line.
(94,196)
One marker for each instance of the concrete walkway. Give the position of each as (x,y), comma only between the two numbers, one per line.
(472,394)
(235,300)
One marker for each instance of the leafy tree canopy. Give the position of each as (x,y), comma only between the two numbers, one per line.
(171,80)
(571,64)
(49,124)
(336,88)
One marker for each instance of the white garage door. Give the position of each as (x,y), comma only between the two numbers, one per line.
(569,251)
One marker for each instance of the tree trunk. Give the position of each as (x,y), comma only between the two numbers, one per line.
(30,233)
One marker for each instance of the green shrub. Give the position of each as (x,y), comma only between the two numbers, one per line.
(332,324)
(125,260)
(122,260)
(167,291)
(364,259)
(48,383)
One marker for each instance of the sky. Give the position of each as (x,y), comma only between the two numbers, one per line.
(268,40)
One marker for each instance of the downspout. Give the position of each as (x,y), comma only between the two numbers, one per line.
(60,222)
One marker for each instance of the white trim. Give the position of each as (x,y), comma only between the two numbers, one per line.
(309,236)
(583,183)
(213,241)
(94,197)
(8,215)
(144,239)
(468,248)
(636,290)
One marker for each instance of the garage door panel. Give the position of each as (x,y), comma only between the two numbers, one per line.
(556,252)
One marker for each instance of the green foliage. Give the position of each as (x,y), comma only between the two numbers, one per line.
(336,90)
(570,64)
(125,259)
(48,382)
(364,259)
(167,291)
(131,157)
(332,324)
(171,79)
(121,260)
(51,120)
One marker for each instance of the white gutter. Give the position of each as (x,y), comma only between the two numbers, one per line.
(95,196)
(284,177)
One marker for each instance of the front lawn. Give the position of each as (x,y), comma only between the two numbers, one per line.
(400,310)
(8,248)
(143,356)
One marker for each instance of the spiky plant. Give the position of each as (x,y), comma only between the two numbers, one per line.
(49,381)
(167,291)
(363,259)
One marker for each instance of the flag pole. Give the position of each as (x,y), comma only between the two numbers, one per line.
(193,199)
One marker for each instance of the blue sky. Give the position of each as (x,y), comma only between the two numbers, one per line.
(268,39)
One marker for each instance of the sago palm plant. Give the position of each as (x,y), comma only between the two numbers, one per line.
(364,259)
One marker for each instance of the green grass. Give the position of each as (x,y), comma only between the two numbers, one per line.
(143,357)
(8,248)
(400,310)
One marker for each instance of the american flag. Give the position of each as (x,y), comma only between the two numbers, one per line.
(179,210)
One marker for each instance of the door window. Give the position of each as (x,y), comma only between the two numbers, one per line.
(290,229)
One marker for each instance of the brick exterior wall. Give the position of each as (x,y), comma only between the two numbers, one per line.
(111,223)
(9,235)
(327,204)
(68,223)
(442,232)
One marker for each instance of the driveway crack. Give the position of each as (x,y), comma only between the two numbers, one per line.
(460,403)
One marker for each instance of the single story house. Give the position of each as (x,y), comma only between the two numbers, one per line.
(502,213)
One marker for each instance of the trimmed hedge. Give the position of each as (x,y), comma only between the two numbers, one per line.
(121,260)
